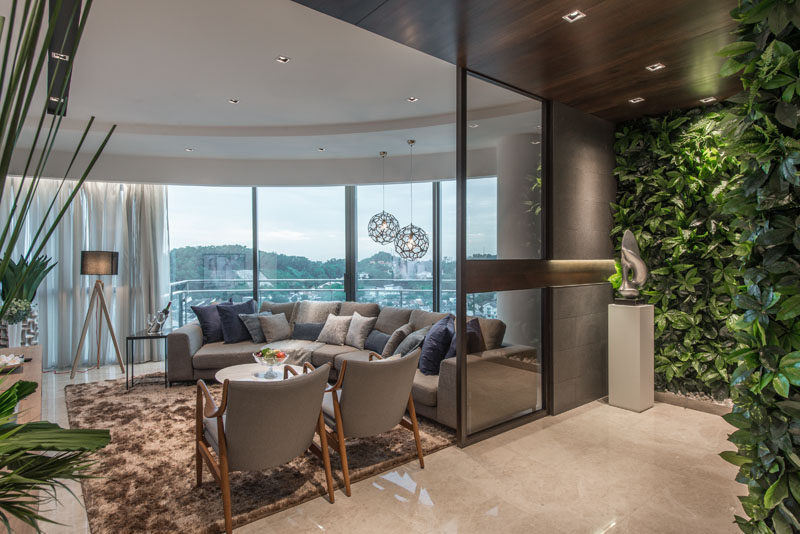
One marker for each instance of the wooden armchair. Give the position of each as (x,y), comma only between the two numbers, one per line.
(370,398)
(246,438)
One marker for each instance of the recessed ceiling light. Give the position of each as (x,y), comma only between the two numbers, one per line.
(189,149)
(535,142)
(283,59)
(233,101)
(708,99)
(59,56)
(412,99)
(655,66)
(473,125)
(56,99)
(573,16)
(636,100)
(321,149)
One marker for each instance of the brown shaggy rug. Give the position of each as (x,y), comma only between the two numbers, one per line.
(147,471)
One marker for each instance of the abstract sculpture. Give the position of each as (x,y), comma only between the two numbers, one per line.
(631,259)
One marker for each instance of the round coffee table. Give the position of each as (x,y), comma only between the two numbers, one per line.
(248,372)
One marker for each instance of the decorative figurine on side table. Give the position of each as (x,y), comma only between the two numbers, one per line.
(631,259)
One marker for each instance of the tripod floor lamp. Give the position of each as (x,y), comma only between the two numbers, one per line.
(98,263)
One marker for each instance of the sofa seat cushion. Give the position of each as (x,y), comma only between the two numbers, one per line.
(390,319)
(218,355)
(366,309)
(425,388)
(326,353)
(421,319)
(358,355)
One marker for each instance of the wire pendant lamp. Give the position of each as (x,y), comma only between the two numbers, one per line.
(411,242)
(383,226)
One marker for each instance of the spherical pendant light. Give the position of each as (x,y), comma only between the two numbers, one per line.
(412,241)
(383,226)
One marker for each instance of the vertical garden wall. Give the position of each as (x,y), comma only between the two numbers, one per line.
(673,178)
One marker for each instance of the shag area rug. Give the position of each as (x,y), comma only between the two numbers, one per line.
(147,472)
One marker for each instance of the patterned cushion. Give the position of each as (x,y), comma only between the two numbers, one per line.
(359,329)
(335,330)
(307,331)
(275,327)
(411,342)
(309,311)
(253,326)
(395,339)
(233,329)
(376,341)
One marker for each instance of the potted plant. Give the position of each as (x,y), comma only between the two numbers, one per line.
(18,311)
(24,331)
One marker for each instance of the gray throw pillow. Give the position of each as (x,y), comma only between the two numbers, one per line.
(376,341)
(335,330)
(307,331)
(358,330)
(253,325)
(395,339)
(275,327)
(412,341)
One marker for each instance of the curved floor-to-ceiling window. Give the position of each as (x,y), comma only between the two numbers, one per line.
(301,243)
(382,275)
(210,247)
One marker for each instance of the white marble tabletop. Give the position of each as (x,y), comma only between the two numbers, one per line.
(248,371)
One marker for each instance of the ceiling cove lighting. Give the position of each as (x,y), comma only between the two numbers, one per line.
(412,99)
(574,16)
(189,149)
(708,99)
(655,66)
(636,100)
(283,59)
(233,101)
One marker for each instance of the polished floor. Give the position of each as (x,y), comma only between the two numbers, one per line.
(596,469)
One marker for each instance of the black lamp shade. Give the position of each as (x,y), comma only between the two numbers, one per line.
(99,262)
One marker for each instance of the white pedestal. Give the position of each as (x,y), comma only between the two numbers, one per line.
(630,356)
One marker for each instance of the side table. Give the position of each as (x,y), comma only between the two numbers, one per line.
(129,345)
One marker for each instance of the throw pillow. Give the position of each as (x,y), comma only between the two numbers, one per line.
(275,327)
(435,346)
(209,320)
(335,330)
(253,325)
(307,331)
(475,342)
(397,337)
(376,341)
(358,330)
(412,341)
(233,328)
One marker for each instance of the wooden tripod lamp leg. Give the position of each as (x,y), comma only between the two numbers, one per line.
(103,307)
(83,332)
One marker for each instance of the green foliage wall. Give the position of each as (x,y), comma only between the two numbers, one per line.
(672,181)
(764,133)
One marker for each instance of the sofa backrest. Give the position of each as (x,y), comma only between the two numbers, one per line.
(421,319)
(493,331)
(312,311)
(287,308)
(365,309)
(390,319)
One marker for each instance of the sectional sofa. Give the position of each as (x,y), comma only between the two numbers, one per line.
(503,381)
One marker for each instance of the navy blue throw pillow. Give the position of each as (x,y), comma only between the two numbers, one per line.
(376,341)
(436,345)
(233,328)
(209,320)
(475,341)
(307,331)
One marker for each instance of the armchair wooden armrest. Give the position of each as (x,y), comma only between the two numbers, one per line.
(373,355)
(210,408)
(338,384)
(307,368)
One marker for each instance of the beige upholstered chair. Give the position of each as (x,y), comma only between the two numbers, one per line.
(260,425)
(370,398)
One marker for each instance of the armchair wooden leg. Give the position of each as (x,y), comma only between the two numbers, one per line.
(415,428)
(198,436)
(326,458)
(198,463)
(342,448)
(225,486)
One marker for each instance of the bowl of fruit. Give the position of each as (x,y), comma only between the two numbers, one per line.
(269,358)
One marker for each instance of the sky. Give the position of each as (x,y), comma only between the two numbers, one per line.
(309,221)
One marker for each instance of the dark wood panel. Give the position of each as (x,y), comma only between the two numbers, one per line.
(508,275)
(595,64)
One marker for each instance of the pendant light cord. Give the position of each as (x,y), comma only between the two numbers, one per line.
(383,181)
(411,200)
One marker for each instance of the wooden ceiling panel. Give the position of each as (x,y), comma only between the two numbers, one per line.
(595,64)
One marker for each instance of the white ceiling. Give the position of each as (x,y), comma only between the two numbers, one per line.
(163,70)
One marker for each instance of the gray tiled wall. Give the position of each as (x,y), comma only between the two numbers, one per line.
(583,186)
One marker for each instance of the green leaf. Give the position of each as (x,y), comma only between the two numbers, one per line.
(781,385)
(737,49)
(790,308)
(730,67)
(776,493)
(734,458)
(786,113)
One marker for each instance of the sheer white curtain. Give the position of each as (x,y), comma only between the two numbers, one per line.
(128,218)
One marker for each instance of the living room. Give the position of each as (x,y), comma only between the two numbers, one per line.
(291,210)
